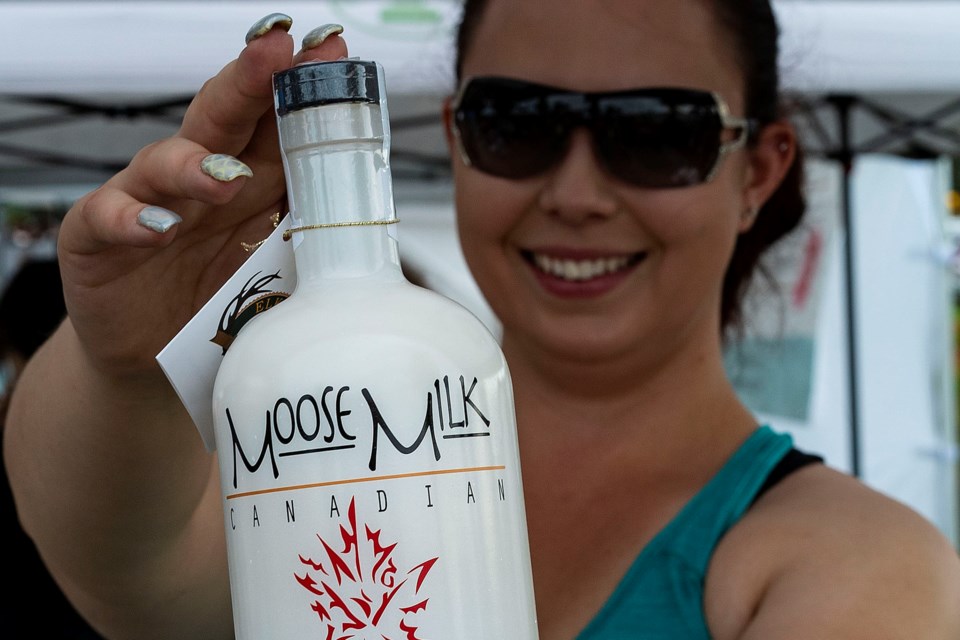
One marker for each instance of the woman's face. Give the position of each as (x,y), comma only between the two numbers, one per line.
(574,261)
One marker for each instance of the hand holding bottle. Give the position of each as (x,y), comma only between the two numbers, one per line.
(143,252)
(139,256)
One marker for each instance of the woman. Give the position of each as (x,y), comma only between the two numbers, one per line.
(613,277)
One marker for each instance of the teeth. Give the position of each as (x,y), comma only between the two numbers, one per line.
(579,270)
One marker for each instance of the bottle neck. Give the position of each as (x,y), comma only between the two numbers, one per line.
(336,159)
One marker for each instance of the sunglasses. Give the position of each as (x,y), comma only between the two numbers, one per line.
(651,137)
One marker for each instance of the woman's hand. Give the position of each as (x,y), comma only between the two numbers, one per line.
(94,431)
(142,253)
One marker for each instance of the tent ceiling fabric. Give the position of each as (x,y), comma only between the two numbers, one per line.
(870,46)
(80,82)
(172,47)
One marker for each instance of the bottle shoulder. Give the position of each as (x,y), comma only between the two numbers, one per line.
(364,316)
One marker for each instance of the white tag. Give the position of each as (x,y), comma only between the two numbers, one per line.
(191,360)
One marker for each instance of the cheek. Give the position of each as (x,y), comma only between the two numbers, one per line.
(487,210)
(693,216)
(478,216)
(471,222)
(695,232)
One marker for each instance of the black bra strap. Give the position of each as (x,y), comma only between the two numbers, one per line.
(793,460)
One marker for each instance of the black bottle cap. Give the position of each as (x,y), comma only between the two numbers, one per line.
(319,83)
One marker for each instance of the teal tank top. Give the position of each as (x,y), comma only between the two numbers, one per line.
(661,595)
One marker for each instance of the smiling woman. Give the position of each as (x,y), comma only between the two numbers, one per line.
(620,166)
(687,135)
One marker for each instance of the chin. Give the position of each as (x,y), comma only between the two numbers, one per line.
(581,342)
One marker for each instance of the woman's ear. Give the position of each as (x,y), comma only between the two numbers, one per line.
(769,158)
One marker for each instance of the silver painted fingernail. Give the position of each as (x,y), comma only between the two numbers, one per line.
(266,23)
(157,219)
(316,37)
(224,168)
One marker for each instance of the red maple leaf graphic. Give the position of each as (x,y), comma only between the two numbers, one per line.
(357,591)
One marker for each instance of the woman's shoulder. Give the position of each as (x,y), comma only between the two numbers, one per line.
(823,555)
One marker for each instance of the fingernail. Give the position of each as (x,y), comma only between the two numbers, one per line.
(266,23)
(224,168)
(316,37)
(157,219)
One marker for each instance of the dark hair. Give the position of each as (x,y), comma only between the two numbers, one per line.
(753,28)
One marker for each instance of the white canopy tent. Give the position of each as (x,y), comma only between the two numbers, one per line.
(77,64)
(153,46)
(85,84)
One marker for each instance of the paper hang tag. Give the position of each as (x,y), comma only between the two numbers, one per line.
(191,360)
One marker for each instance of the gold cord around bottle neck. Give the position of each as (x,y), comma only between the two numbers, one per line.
(329,225)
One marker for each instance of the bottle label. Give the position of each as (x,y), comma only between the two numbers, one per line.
(340,418)
(388,510)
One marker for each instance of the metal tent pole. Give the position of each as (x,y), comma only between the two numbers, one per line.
(843,105)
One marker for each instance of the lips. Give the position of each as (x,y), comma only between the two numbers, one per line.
(575,275)
(580,270)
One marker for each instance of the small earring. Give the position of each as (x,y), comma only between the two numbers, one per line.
(749,214)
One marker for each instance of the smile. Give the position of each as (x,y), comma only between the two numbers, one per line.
(582,270)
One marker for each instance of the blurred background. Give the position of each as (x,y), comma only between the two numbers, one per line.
(855,353)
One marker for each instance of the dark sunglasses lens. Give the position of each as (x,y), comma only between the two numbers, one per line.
(670,138)
(503,129)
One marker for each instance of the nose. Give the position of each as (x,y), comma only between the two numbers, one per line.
(577,190)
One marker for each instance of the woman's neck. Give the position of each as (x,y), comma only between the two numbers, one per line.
(659,400)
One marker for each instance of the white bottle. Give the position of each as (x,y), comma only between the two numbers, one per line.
(365,427)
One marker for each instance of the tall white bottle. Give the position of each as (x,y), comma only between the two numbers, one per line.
(365,427)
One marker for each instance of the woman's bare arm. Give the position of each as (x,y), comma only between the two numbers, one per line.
(110,476)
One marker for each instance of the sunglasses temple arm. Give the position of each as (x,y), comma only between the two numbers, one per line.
(744,128)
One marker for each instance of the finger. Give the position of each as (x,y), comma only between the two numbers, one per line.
(108,217)
(177,169)
(225,112)
(322,43)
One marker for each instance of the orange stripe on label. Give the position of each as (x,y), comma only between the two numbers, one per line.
(332,483)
